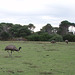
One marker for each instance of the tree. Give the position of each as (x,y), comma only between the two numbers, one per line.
(14,30)
(6,26)
(47,28)
(1,28)
(55,29)
(63,27)
(31,27)
(24,31)
(5,36)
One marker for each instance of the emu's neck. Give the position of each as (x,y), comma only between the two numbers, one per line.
(18,49)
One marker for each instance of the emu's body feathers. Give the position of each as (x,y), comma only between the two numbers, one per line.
(11,47)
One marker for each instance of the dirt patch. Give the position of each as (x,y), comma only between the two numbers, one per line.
(38,51)
(6,57)
(47,55)
(10,71)
(18,56)
(30,65)
(45,73)
(27,63)
(33,66)
(12,56)
(20,71)
(51,50)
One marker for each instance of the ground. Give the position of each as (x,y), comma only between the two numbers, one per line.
(38,58)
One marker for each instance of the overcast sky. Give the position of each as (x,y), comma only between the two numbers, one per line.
(37,12)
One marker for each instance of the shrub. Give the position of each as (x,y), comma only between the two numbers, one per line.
(56,37)
(39,37)
(33,37)
(69,37)
(45,37)
(5,36)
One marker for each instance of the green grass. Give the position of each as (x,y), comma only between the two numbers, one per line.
(38,58)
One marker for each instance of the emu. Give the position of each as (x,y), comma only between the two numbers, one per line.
(11,48)
(53,41)
(66,41)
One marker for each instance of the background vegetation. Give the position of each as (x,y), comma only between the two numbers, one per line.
(9,31)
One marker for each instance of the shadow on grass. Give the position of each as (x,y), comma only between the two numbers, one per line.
(52,50)
(27,63)
(12,56)
(46,73)
(30,65)
(11,71)
(33,66)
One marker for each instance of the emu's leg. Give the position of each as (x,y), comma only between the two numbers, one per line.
(8,52)
(67,42)
(11,53)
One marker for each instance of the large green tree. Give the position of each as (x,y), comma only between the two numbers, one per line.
(14,30)
(54,30)
(20,31)
(31,27)
(5,36)
(47,28)
(63,27)
(24,31)
(4,27)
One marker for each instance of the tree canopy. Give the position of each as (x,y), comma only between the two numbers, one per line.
(63,27)
(14,30)
(10,30)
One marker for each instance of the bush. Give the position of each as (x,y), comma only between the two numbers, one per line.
(69,37)
(45,37)
(56,37)
(39,37)
(33,37)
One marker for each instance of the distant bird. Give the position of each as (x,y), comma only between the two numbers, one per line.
(53,41)
(66,41)
(11,48)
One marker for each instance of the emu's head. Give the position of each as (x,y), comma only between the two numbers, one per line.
(20,48)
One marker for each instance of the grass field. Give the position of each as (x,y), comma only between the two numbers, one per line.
(38,58)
